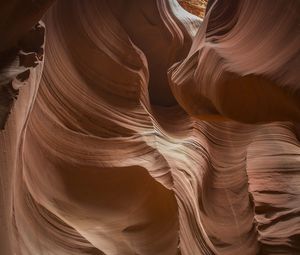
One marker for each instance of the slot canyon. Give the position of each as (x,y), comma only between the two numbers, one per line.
(150,127)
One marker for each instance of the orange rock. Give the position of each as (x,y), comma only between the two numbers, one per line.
(196,7)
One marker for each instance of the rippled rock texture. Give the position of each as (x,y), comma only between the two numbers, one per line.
(136,127)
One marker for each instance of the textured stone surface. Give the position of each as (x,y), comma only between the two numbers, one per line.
(142,129)
(196,7)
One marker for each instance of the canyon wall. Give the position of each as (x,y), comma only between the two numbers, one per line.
(134,127)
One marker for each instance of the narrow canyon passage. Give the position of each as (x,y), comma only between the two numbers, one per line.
(137,128)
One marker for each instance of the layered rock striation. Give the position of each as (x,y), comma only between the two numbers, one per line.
(140,128)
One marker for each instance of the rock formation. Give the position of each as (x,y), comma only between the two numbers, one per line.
(196,7)
(134,127)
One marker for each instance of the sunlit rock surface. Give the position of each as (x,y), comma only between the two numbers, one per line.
(197,7)
(136,127)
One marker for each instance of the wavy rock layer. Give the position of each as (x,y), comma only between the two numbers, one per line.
(235,73)
(21,76)
(122,151)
